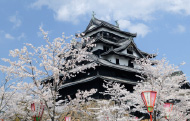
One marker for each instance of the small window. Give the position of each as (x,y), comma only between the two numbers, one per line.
(104,34)
(130,64)
(117,61)
(105,48)
(129,51)
(98,34)
(89,49)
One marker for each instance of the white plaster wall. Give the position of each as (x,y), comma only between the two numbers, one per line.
(124,51)
(98,46)
(134,53)
(122,60)
(112,58)
(109,58)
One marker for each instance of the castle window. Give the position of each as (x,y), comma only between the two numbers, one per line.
(130,50)
(130,64)
(105,48)
(117,61)
(104,33)
(89,49)
(98,34)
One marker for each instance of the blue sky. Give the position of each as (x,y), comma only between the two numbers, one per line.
(162,26)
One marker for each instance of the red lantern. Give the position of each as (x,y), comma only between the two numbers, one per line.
(37,109)
(67,118)
(149,98)
(168,108)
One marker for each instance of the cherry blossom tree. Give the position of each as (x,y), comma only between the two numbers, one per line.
(105,112)
(117,108)
(11,99)
(6,93)
(162,77)
(46,68)
(155,75)
(19,105)
(81,103)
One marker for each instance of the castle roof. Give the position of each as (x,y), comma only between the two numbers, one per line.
(101,39)
(96,23)
(121,80)
(111,51)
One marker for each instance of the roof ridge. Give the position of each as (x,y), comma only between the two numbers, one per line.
(106,23)
(100,23)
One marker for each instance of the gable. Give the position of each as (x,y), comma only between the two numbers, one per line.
(89,25)
(129,48)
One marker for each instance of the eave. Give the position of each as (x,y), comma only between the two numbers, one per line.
(101,39)
(118,53)
(95,77)
(120,67)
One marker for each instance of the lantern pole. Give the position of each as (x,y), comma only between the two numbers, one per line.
(150,117)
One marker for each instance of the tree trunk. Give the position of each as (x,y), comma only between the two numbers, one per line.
(52,119)
(54,101)
(154,117)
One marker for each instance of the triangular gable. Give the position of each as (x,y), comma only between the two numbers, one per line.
(127,44)
(93,22)
(89,25)
(135,48)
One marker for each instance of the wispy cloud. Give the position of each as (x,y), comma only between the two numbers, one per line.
(179,6)
(179,29)
(139,28)
(21,36)
(15,20)
(8,36)
(39,33)
(4,35)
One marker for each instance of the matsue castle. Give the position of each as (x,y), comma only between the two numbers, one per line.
(115,52)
